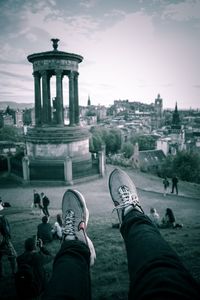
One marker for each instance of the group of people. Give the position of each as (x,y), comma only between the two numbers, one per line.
(40,203)
(46,232)
(155,270)
(168,221)
(174,185)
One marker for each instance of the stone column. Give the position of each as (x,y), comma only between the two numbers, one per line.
(59,98)
(68,170)
(38,107)
(101,163)
(49,97)
(76,104)
(25,167)
(71,99)
(45,94)
(9,163)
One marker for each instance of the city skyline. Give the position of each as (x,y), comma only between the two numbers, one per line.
(132,50)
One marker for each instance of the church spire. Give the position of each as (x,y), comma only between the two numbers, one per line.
(175,117)
(89,102)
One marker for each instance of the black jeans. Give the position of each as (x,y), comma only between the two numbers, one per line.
(71,273)
(174,187)
(155,270)
(45,210)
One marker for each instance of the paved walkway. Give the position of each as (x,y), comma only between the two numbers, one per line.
(96,192)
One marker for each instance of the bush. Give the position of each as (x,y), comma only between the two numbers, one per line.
(127,149)
(186,165)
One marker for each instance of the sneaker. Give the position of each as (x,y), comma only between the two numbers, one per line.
(123,193)
(75,217)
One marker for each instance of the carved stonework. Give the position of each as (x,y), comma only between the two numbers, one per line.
(52,64)
(55,43)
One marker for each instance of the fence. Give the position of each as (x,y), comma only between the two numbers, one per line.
(47,170)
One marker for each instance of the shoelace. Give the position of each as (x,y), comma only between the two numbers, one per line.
(127,198)
(69,223)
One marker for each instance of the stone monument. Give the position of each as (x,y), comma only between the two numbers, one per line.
(56,151)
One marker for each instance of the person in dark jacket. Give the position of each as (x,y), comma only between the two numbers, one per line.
(45,204)
(36,260)
(6,246)
(44,231)
(174,184)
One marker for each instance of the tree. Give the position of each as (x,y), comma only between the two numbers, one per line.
(145,142)
(10,133)
(187,166)
(102,136)
(97,138)
(113,141)
(127,149)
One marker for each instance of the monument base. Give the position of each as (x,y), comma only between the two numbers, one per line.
(59,153)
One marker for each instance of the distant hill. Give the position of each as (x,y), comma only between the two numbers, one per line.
(15,105)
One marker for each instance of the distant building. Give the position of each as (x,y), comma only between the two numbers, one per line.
(8,120)
(19,118)
(147,161)
(101,112)
(175,139)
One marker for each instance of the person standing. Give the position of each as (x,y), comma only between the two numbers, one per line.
(174,184)
(37,201)
(45,204)
(165,185)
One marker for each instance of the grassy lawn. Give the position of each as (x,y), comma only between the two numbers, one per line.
(109,274)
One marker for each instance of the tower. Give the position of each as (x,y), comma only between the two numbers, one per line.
(89,101)
(175,116)
(158,107)
(54,150)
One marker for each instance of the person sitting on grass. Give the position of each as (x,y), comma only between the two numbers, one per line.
(154,216)
(169,220)
(57,228)
(31,277)
(44,231)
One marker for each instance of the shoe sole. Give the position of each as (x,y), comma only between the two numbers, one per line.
(129,183)
(68,203)
(116,178)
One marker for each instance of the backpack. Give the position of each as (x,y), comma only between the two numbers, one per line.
(25,282)
(4,227)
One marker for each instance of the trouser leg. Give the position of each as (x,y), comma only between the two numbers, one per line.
(1,265)
(155,270)
(45,211)
(176,189)
(71,273)
(13,264)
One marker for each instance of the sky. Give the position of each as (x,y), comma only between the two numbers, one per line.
(132,49)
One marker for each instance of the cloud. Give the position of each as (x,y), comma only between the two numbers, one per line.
(184,11)
(16,75)
(8,53)
(88,3)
